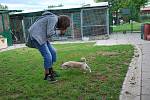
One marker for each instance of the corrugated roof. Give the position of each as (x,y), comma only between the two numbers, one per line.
(81,6)
(8,11)
(101,4)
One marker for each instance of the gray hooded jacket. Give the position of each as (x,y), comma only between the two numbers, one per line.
(43,27)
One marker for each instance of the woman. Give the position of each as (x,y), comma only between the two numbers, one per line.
(42,29)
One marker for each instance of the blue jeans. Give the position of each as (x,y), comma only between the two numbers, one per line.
(48,52)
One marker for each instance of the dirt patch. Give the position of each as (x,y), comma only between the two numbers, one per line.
(92,56)
(15,95)
(106,53)
(104,96)
(81,98)
(100,77)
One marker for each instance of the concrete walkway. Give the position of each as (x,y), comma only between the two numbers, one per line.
(145,80)
(136,85)
(119,38)
(15,46)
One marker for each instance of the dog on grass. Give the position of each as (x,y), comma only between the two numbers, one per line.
(74,64)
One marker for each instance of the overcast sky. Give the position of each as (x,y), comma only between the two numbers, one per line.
(40,4)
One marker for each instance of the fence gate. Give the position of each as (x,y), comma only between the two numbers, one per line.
(94,22)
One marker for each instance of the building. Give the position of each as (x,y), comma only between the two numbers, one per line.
(5,29)
(88,21)
(145,10)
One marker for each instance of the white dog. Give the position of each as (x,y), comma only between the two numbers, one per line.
(74,64)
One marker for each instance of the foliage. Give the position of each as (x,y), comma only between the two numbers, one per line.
(133,5)
(3,7)
(52,6)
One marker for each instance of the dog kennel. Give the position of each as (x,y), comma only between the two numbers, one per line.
(5,29)
(87,22)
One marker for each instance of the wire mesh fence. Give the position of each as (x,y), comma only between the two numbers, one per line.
(94,22)
(28,21)
(17,30)
(89,22)
(1,24)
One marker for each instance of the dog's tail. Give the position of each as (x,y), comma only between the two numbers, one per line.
(83,59)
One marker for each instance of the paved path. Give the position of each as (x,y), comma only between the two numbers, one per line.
(13,47)
(115,39)
(136,85)
(145,80)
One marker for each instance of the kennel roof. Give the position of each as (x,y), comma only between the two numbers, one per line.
(101,4)
(9,11)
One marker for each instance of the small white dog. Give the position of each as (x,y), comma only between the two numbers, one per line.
(74,64)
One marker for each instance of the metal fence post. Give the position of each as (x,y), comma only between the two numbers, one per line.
(72,26)
(81,13)
(23,28)
(107,21)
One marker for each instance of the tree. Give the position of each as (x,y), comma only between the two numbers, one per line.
(133,5)
(52,6)
(3,7)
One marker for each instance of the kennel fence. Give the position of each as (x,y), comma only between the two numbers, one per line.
(90,22)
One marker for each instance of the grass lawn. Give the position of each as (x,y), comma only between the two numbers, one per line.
(127,27)
(21,76)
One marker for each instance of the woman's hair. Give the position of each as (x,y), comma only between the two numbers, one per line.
(63,22)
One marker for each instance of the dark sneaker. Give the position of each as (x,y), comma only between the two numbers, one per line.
(46,76)
(50,79)
(55,74)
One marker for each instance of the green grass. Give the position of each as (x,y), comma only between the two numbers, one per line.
(127,27)
(21,76)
